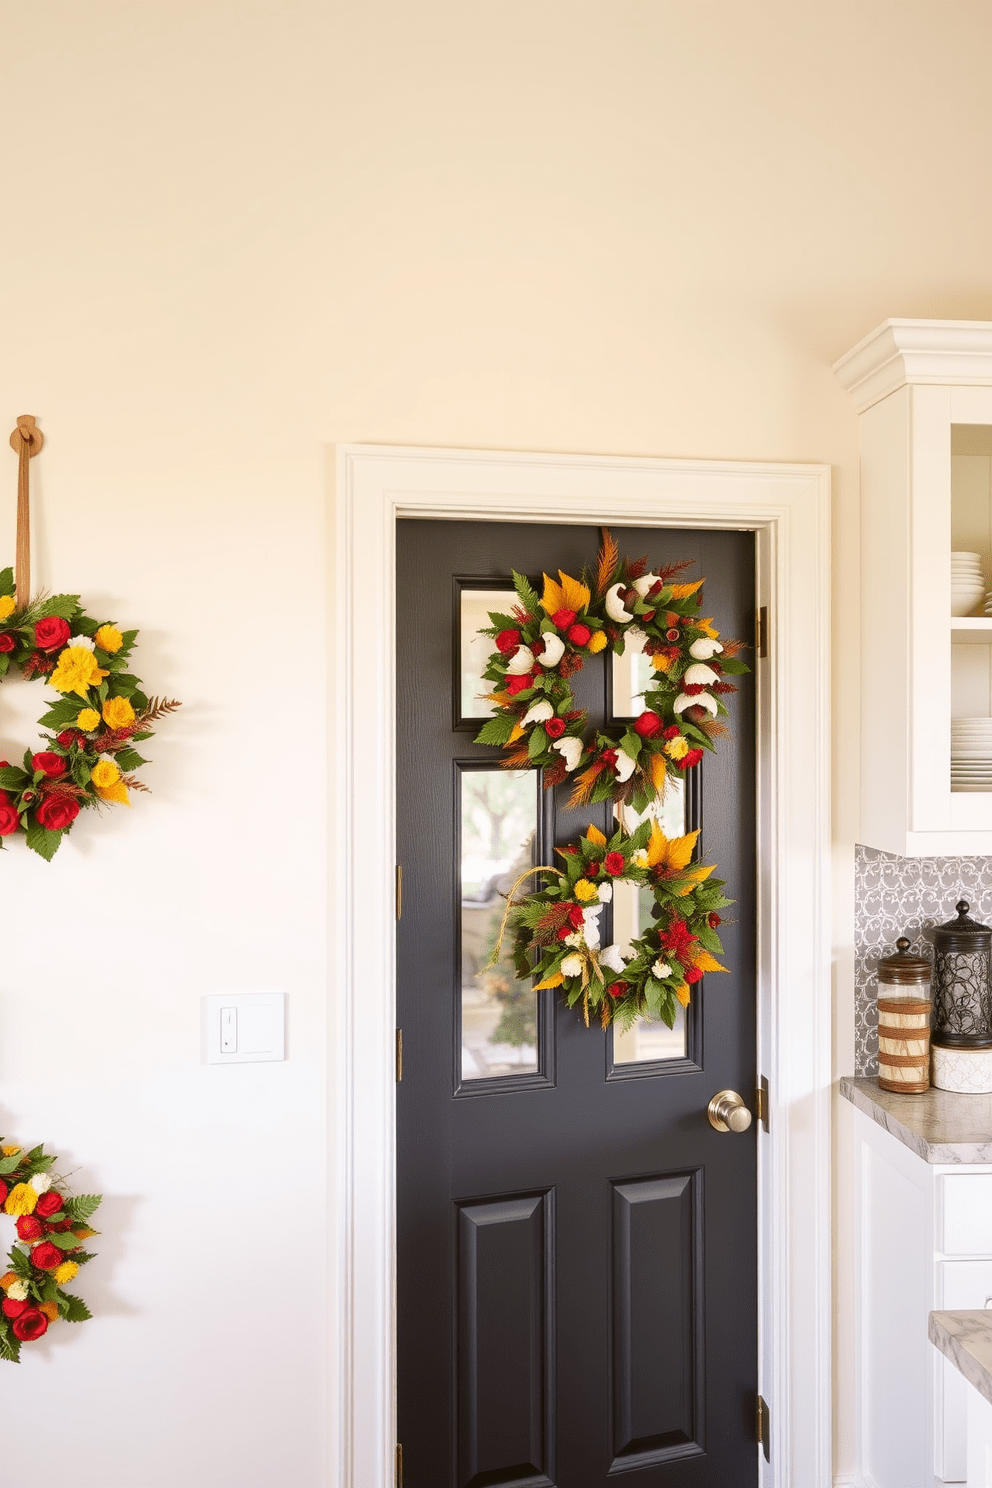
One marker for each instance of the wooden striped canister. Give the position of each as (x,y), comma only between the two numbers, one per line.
(904,1044)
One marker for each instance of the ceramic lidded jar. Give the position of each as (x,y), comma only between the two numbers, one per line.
(962,1017)
(904,1021)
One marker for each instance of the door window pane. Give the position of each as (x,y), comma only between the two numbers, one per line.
(632,675)
(475,649)
(498,841)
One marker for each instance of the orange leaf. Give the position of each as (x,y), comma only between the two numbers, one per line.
(658,771)
(682,591)
(691,877)
(670,852)
(574,593)
(609,555)
(708,627)
(705,962)
(515,733)
(552,981)
(682,993)
(595,836)
(584,783)
(552,599)
(519,759)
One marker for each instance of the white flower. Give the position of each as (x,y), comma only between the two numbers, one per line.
(41,1182)
(575,939)
(614,957)
(570,750)
(704,700)
(634,639)
(661,969)
(538,713)
(605,892)
(84,641)
(590,926)
(521,661)
(614,605)
(571,966)
(640,858)
(624,765)
(554,649)
(704,648)
(18,1291)
(700,676)
(645,583)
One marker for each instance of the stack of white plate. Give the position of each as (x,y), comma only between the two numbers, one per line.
(967,582)
(971,754)
(988,601)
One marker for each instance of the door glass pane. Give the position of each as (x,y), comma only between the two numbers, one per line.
(632,674)
(648,1038)
(499,834)
(475,649)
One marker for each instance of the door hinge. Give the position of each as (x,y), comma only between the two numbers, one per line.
(399,1055)
(762,1427)
(761,631)
(761,1100)
(399,891)
(398,1475)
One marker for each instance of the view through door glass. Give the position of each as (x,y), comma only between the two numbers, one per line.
(577,1258)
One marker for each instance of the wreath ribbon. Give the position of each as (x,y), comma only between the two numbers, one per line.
(26,442)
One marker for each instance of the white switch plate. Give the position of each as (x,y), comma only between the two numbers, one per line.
(244,1027)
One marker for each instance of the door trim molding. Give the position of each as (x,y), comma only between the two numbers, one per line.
(787,506)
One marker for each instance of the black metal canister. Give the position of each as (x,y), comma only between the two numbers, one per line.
(962,990)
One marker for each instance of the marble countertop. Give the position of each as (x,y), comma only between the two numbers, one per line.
(966,1339)
(940,1126)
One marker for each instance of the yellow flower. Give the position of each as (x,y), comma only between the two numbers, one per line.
(9,1151)
(51,1309)
(117,713)
(109,638)
(21,1199)
(88,720)
(8,604)
(677,749)
(585,890)
(660,663)
(77,671)
(105,773)
(65,1272)
(597,641)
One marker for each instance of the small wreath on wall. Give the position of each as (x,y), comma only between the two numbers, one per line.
(52,1226)
(555,929)
(89,757)
(556,934)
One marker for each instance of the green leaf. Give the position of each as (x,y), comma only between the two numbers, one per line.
(81,1206)
(61,714)
(537,743)
(129,759)
(46,844)
(10,1347)
(7,585)
(76,1310)
(64,1242)
(733,666)
(63,605)
(494,731)
(503,622)
(8,1164)
(527,593)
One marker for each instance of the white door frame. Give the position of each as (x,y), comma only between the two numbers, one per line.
(787,506)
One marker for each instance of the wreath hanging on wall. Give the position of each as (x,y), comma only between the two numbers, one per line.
(88,757)
(539,646)
(52,1226)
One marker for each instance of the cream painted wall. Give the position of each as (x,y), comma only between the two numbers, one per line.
(234,234)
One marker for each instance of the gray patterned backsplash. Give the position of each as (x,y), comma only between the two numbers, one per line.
(896,896)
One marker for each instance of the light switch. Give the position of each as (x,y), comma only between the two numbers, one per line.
(244,1027)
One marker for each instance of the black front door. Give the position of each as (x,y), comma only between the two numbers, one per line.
(577,1258)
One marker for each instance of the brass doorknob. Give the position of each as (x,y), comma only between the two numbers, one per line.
(727,1112)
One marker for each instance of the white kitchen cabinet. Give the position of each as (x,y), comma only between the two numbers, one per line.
(923,390)
(923,1242)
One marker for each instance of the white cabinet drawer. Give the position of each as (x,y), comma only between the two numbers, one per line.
(960,1284)
(965,1214)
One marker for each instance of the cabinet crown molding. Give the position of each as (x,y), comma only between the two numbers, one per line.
(916,351)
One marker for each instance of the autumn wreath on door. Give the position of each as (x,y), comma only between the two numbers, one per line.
(538,647)
(88,754)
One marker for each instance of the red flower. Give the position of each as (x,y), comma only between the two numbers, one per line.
(51,633)
(9,819)
(7,641)
(575,915)
(713,920)
(563,618)
(507,640)
(29,1227)
(693,975)
(614,863)
(47,1256)
(564,932)
(50,1203)
(30,1325)
(52,765)
(14,1309)
(554,728)
(537,649)
(579,634)
(610,756)
(618,989)
(517,684)
(672,731)
(57,811)
(68,737)
(647,724)
(671,634)
(689,759)
(4,1190)
(592,869)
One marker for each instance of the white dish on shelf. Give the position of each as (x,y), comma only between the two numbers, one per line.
(963,553)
